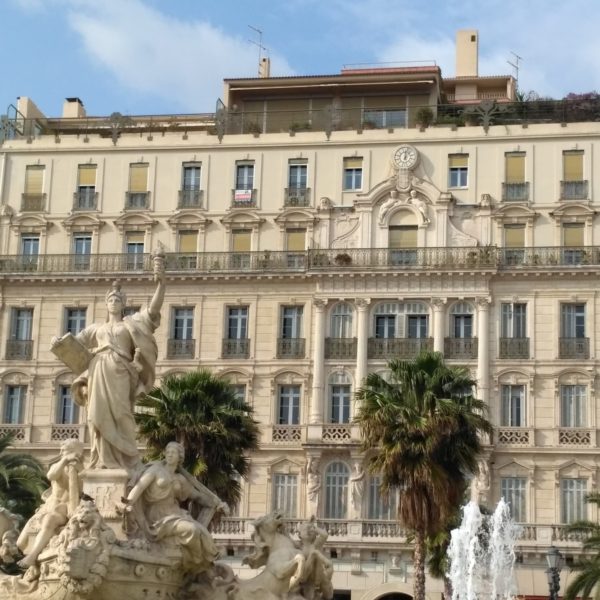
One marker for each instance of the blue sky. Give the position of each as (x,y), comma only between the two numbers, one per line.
(170,56)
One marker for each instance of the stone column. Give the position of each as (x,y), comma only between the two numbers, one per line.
(438,323)
(362,307)
(316,403)
(483,343)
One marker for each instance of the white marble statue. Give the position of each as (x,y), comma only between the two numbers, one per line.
(357,485)
(59,502)
(121,368)
(154,505)
(420,205)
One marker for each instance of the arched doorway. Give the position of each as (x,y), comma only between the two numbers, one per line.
(395,596)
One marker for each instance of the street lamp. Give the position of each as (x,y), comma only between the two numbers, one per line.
(554,559)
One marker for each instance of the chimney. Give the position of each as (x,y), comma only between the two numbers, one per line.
(73,109)
(264,68)
(467,53)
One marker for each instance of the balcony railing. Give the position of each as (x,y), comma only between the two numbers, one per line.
(33,202)
(344,348)
(180,348)
(297,197)
(514,436)
(462,348)
(287,434)
(291,347)
(575,436)
(397,347)
(574,190)
(190,198)
(243,198)
(85,199)
(236,348)
(137,200)
(514,347)
(336,433)
(19,349)
(515,192)
(573,347)
(61,432)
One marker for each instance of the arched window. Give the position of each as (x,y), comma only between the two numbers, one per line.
(378,505)
(461,320)
(341,321)
(340,393)
(336,491)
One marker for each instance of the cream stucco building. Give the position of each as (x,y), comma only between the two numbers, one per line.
(315,227)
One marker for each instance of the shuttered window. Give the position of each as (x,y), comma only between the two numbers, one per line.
(572,234)
(295,240)
(188,241)
(515,167)
(86,176)
(241,240)
(402,236)
(573,165)
(34,179)
(514,236)
(138,177)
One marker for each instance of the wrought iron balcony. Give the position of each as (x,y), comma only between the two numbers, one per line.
(574,190)
(463,348)
(19,349)
(515,192)
(297,197)
(243,198)
(340,348)
(514,347)
(33,202)
(573,347)
(397,347)
(137,200)
(180,348)
(85,199)
(190,198)
(236,348)
(291,347)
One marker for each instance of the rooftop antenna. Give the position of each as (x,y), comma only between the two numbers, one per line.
(259,44)
(515,66)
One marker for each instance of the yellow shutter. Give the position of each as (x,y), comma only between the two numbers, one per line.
(402,237)
(514,236)
(458,160)
(515,167)
(573,234)
(241,240)
(188,241)
(573,165)
(296,240)
(87,175)
(138,177)
(353,163)
(34,179)
(135,238)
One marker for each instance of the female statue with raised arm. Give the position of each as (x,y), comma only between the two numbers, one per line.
(121,368)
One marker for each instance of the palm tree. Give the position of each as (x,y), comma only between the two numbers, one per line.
(587,582)
(201,411)
(422,426)
(22,480)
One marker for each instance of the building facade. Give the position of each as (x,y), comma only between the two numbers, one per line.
(314,228)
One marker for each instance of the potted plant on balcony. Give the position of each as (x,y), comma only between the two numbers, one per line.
(254,128)
(424,117)
(343,259)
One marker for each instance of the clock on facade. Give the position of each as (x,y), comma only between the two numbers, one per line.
(405,157)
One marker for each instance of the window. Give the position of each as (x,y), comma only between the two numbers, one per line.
(67,412)
(378,506)
(339,399)
(337,477)
(137,196)
(573,165)
(289,405)
(33,197)
(297,171)
(295,244)
(130,310)
(14,404)
(341,321)
(21,323)
(417,323)
(572,500)
(239,391)
(572,405)
(378,119)
(514,163)
(134,247)
(285,494)
(244,175)
(402,240)
(514,490)
(514,320)
(385,326)
(183,324)
(187,243)
(462,320)
(572,234)
(353,173)
(30,249)
(458,174)
(75,320)
(237,322)
(512,411)
(82,248)
(85,196)
(572,320)
(241,240)
(291,321)
(514,242)
(191,177)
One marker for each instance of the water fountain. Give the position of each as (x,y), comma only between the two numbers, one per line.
(482,554)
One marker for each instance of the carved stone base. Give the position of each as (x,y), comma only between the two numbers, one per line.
(107,487)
